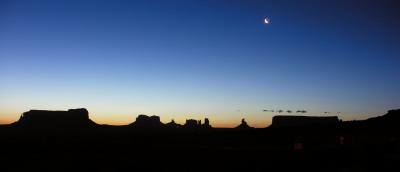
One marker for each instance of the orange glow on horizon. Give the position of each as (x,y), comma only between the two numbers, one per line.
(222,120)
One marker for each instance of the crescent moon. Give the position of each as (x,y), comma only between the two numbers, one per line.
(266,21)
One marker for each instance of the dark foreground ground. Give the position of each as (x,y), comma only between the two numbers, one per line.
(108,148)
(70,141)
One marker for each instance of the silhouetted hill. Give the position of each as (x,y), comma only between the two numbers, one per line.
(389,122)
(390,119)
(302,121)
(43,119)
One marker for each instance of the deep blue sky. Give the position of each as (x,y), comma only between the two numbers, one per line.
(195,59)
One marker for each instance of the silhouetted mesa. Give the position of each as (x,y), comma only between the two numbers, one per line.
(73,118)
(147,121)
(191,123)
(299,121)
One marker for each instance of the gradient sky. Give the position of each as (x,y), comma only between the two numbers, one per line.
(195,59)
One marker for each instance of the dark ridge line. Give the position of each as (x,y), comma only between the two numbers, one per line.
(80,118)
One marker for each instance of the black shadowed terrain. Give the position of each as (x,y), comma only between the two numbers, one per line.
(70,141)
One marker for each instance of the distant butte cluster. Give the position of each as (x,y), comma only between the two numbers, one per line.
(144,121)
(78,118)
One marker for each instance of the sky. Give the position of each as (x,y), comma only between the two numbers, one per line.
(196,59)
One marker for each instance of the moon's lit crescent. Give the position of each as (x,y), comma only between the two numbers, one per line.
(266,21)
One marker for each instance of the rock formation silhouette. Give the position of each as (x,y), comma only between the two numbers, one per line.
(144,121)
(243,125)
(190,123)
(206,123)
(172,124)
